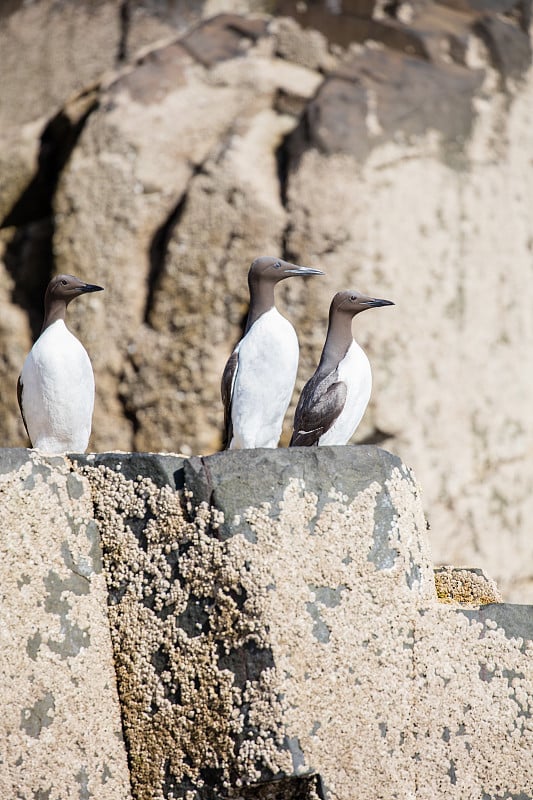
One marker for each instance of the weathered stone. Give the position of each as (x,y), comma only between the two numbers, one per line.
(226,213)
(336,119)
(232,481)
(446,33)
(414,97)
(147,22)
(163,470)
(468,733)
(222,37)
(520,9)
(362,20)
(338,29)
(308,48)
(509,46)
(155,75)
(441,31)
(288,653)
(60,729)
(280,627)
(359,8)
(206,652)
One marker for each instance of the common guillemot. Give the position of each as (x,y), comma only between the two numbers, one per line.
(259,376)
(56,386)
(334,400)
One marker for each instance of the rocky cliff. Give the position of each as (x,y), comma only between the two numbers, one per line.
(273,627)
(157,148)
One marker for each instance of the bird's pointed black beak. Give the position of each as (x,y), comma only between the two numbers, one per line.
(91,287)
(375,302)
(293,269)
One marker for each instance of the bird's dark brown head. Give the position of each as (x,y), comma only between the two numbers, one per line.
(352,303)
(65,288)
(272,270)
(59,292)
(263,276)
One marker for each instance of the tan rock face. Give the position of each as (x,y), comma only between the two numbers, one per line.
(403,175)
(53,49)
(214,172)
(60,727)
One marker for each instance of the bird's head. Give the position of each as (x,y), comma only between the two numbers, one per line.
(66,287)
(352,303)
(273,270)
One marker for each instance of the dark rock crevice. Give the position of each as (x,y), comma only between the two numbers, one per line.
(283,161)
(129,409)
(157,251)
(301,787)
(125,17)
(57,142)
(289,153)
(9,7)
(29,256)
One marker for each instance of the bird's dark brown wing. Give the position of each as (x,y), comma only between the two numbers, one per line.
(319,405)
(228,379)
(19,398)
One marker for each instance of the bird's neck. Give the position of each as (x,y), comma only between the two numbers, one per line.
(338,341)
(261,300)
(54,310)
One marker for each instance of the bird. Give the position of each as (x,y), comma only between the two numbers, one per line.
(259,377)
(334,399)
(56,386)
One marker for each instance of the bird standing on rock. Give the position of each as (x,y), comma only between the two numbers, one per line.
(334,400)
(260,374)
(56,386)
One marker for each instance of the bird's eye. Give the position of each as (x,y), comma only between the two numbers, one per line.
(353,298)
(63,283)
(277,265)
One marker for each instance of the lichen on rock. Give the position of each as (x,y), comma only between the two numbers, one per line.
(465,586)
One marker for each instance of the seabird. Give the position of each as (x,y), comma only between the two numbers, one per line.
(259,376)
(334,400)
(56,386)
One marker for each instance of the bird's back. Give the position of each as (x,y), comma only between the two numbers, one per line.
(354,371)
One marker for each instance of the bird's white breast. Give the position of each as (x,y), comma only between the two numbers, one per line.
(58,392)
(263,386)
(354,370)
